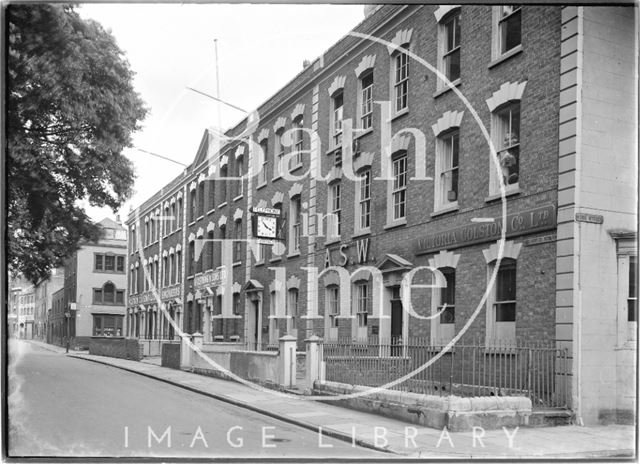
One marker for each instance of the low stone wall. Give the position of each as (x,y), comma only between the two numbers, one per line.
(257,366)
(456,413)
(116,347)
(152,347)
(170,353)
(356,371)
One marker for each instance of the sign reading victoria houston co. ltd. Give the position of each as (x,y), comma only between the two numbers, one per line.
(521,223)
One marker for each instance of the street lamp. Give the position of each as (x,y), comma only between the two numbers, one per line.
(67,314)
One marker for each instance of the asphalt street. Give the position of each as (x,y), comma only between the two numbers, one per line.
(62,406)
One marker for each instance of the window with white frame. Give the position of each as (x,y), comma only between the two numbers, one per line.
(449,46)
(504,302)
(239,165)
(192,205)
(335,209)
(333,309)
(298,144)
(237,242)
(200,199)
(447,306)
(505,128)
(292,310)
(178,266)
(399,187)
(262,175)
(274,332)
(447,156)
(210,250)
(165,270)
(366,100)
(507,28)
(627,290)
(171,270)
(337,107)
(632,293)
(279,152)
(361,303)
(167,221)
(363,218)
(400,80)
(224,172)
(296,224)
(191,267)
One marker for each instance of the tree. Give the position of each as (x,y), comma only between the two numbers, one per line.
(71,111)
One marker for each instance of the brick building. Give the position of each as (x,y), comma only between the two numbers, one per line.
(382,170)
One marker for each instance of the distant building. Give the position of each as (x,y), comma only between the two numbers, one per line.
(44,291)
(21,307)
(91,302)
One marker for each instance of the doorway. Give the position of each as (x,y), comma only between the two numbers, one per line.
(396,322)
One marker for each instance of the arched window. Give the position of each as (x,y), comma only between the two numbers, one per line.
(108,294)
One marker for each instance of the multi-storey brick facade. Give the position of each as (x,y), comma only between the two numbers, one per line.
(432,198)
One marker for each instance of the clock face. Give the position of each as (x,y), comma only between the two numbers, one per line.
(266,226)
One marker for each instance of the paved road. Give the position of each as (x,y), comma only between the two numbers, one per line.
(61,406)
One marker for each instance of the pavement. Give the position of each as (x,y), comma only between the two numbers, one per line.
(398,438)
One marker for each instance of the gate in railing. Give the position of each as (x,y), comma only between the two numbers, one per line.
(536,371)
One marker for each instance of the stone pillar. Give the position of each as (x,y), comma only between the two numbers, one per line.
(314,366)
(198,340)
(185,352)
(287,361)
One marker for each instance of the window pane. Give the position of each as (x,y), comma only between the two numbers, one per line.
(510,31)
(119,296)
(109,263)
(448,316)
(452,65)
(97,295)
(109,293)
(447,294)
(632,301)
(120,263)
(506,282)
(505,312)
(633,284)
(99,265)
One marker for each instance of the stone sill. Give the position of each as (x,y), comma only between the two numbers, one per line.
(507,193)
(505,56)
(447,209)
(446,88)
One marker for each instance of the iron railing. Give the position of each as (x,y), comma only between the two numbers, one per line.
(264,346)
(538,371)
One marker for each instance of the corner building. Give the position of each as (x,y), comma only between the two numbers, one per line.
(382,170)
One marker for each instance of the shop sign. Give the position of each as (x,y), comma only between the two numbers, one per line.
(521,223)
(209,279)
(146,297)
(174,291)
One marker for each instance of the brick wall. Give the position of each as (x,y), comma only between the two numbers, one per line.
(171,355)
(125,348)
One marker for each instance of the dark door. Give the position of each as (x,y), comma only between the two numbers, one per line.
(256,323)
(396,322)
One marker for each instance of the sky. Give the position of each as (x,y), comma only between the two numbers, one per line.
(170,47)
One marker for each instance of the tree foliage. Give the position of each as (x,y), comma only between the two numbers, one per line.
(71,111)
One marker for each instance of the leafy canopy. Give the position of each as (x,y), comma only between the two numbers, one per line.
(71,110)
